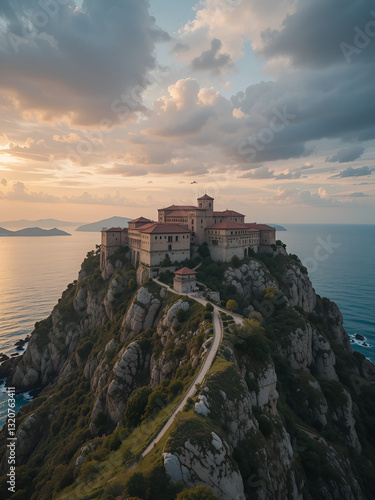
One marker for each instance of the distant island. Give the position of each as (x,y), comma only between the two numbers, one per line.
(33,231)
(98,226)
(45,223)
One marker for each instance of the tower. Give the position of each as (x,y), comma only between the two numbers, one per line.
(206,202)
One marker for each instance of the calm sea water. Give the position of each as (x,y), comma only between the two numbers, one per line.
(35,271)
(33,274)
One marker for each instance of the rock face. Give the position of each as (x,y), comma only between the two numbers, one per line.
(46,353)
(250,279)
(131,362)
(211,465)
(142,312)
(253,278)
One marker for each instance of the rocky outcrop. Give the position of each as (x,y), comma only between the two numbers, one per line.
(142,312)
(210,464)
(297,287)
(324,357)
(27,438)
(253,278)
(250,279)
(298,350)
(55,340)
(126,371)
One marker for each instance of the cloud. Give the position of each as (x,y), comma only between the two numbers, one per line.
(19,192)
(355,172)
(180,47)
(4,182)
(319,198)
(266,173)
(313,35)
(61,69)
(210,60)
(259,173)
(346,155)
(357,195)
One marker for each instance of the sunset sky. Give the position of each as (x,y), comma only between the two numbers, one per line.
(120,107)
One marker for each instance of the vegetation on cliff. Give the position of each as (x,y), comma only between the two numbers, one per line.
(284,410)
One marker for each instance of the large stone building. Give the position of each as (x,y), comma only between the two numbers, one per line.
(180,228)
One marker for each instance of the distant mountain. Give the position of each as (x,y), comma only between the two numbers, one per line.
(33,231)
(111,222)
(277,227)
(44,223)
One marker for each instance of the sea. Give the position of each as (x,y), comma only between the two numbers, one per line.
(34,271)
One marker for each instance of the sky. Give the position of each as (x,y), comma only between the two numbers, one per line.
(120,107)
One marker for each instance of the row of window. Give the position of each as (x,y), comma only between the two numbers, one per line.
(170,238)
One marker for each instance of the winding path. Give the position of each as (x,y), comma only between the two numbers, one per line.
(218,337)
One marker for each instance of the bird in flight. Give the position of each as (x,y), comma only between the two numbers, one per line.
(194,182)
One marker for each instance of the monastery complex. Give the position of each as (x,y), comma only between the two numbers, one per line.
(181,229)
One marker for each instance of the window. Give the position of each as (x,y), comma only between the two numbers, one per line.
(169,247)
(209,205)
(200,205)
(160,237)
(201,221)
(169,238)
(176,238)
(156,237)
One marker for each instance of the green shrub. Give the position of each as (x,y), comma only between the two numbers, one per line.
(136,406)
(201,492)
(209,307)
(231,305)
(181,315)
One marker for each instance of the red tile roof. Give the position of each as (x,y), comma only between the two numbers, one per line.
(161,228)
(185,271)
(181,207)
(141,219)
(228,213)
(113,230)
(177,213)
(231,225)
(262,227)
(205,197)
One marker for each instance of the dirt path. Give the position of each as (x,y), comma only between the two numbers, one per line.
(218,337)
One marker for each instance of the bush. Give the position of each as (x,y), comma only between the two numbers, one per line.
(204,251)
(84,350)
(137,485)
(136,406)
(181,315)
(235,261)
(176,387)
(231,305)
(166,262)
(209,307)
(208,315)
(201,492)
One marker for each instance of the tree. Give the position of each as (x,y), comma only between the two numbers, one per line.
(209,307)
(235,261)
(166,262)
(231,305)
(201,492)
(136,405)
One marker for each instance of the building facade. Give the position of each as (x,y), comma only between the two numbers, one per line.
(184,280)
(181,227)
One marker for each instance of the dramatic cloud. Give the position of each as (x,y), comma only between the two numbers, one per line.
(210,60)
(4,182)
(355,172)
(82,64)
(314,35)
(347,155)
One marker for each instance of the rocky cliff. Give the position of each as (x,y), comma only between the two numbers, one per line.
(286,410)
